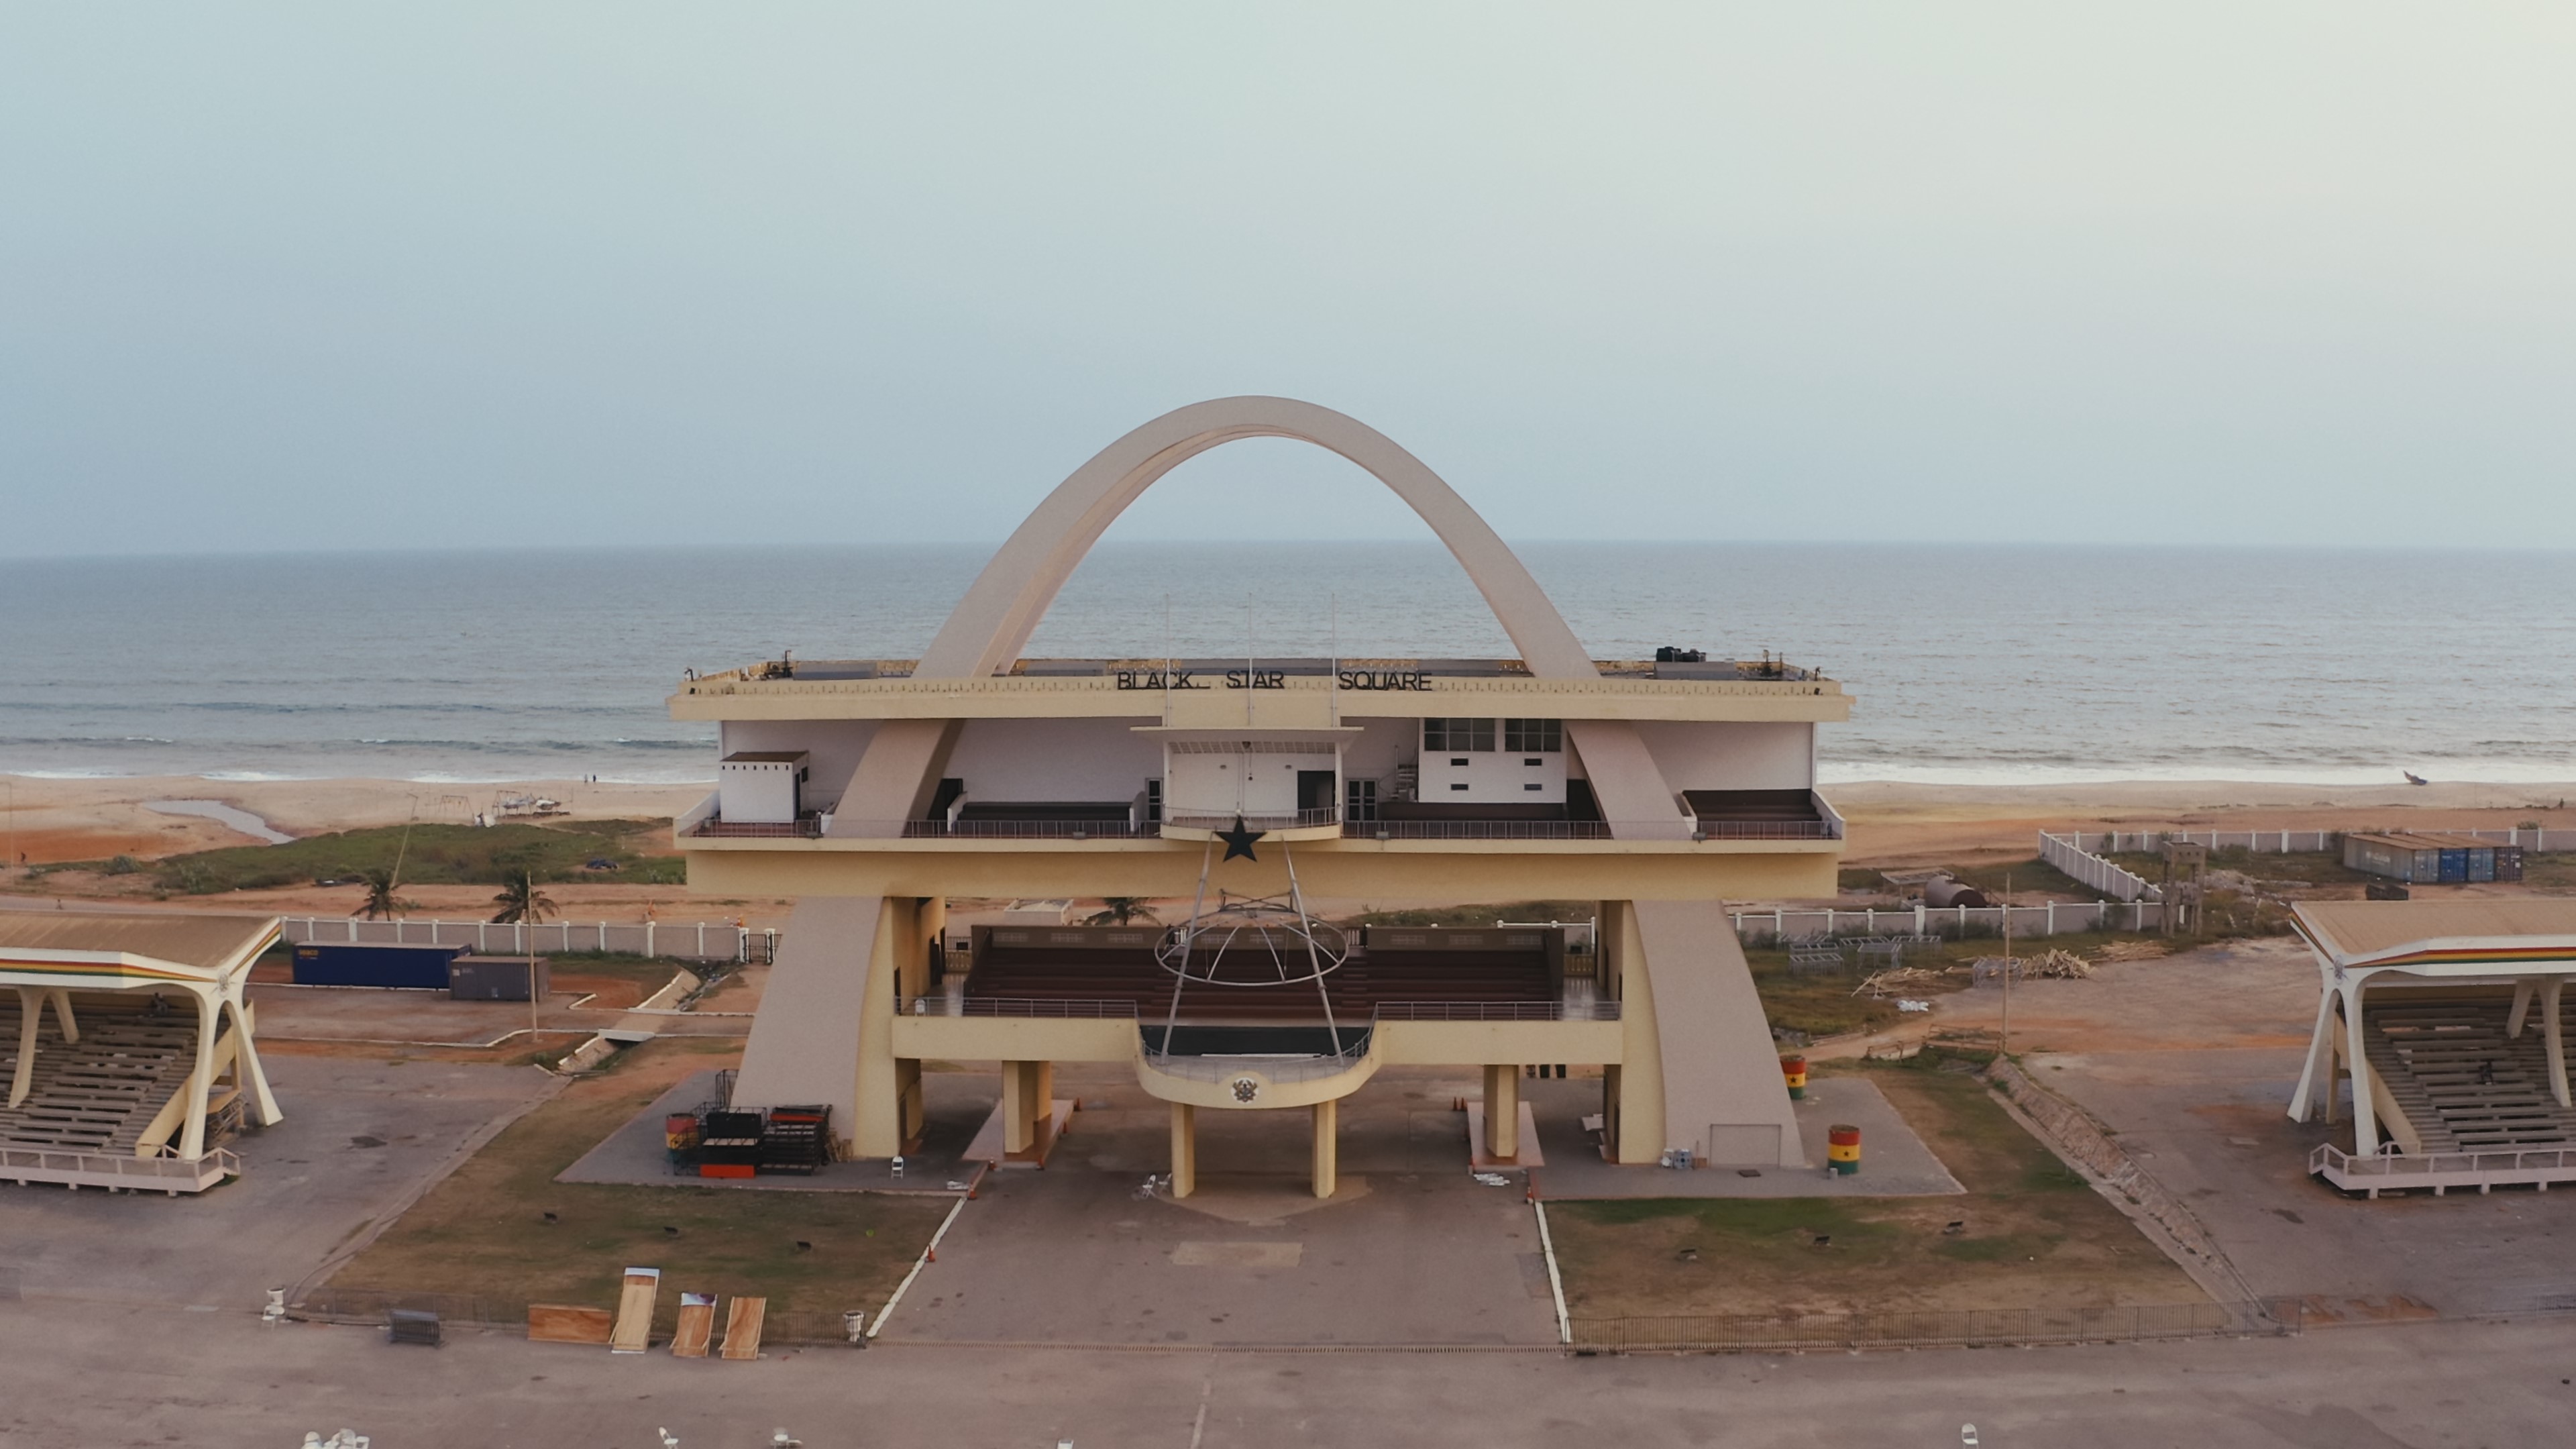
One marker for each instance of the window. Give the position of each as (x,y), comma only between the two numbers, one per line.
(1457,734)
(1359,799)
(1533,736)
(1153,802)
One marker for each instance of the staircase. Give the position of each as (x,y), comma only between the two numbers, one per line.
(97,1095)
(2462,1085)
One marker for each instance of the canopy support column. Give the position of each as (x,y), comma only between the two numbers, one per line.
(2365,1120)
(192,1132)
(2553,1035)
(31,1014)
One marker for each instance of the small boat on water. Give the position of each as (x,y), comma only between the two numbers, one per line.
(2414,779)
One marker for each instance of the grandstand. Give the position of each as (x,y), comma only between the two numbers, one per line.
(2449,1018)
(128,1048)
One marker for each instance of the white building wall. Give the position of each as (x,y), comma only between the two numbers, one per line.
(1493,777)
(760,791)
(1381,745)
(1033,760)
(836,746)
(1222,784)
(1696,756)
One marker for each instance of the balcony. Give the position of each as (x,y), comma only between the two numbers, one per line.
(1761,815)
(1476,830)
(716,827)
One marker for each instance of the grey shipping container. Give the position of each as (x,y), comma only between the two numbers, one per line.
(328,963)
(495,978)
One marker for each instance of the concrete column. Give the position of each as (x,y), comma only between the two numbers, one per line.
(2552,1034)
(247,1065)
(1503,1111)
(1025,1103)
(63,1015)
(31,1013)
(192,1132)
(2365,1117)
(2319,1067)
(1328,1123)
(2522,993)
(1185,1149)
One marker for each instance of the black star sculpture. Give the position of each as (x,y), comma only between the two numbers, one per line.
(1238,841)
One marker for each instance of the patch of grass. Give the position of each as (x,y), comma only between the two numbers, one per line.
(2033,874)
(436,855)
(2032,1233)
(2297,868)
(483,1232)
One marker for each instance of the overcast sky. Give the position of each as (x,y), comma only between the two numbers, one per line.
(366,276)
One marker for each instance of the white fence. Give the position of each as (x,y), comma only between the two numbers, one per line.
(2068,855)
(2046,920)
(2284,842)
(678,940)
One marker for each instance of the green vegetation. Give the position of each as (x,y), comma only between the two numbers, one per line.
(484,1232)
(2030,1232)
(2033,874)
(437,855)
(2297,868)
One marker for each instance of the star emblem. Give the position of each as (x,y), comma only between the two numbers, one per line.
(1238,841)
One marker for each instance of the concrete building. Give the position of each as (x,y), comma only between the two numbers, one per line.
(1253,787)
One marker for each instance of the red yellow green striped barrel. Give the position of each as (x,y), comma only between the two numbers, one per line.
(1795,1070)
(1842,1150)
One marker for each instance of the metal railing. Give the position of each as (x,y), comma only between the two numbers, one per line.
(1600,1010)
(1476,830)
(1027,830)
(1933,1328)
(1023,1007)
(1274,820)
(1704,828)
(1212,1068)
(716,827)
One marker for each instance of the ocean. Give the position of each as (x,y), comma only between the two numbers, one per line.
(1972,665)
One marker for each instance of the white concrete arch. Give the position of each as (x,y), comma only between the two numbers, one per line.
(992,624)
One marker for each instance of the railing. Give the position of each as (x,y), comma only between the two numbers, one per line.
(217,1162)
(1934,1328)
(1212,1068)
(676,940)
(2446,1169)
(1275,820)
(1476,830)
(1020,1007)
(1027,830)
(716,827)
(1704,828)
(1602,1010)
(2284,842)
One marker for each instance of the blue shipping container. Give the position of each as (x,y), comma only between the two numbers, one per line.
(2455,866)
(323,963)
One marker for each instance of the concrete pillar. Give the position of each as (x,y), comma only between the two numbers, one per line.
(2522,993)
(1028,1092)
(63,1015)
(1328,1120)
(31,1014)
(1503,1111)
(2320,1065)
(2553,1035)
(246,1064)
(1185,1149)
(2365,1116)
(192,1132)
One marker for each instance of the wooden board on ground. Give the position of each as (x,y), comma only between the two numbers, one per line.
(697,1324)
(563,1323)
(743,1317)
(635,1310)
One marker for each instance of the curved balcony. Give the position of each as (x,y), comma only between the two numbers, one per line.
(1248,1079)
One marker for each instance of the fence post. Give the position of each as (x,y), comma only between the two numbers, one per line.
(603,936)
(1776,929)
(2052,920)
(648,936)
(1869,920)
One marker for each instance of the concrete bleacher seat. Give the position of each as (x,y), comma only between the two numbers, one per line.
(96,1095)
(2463,1084)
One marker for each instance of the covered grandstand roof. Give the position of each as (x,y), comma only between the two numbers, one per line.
(2473,934)
(169,944)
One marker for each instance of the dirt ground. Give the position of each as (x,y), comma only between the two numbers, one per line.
(484,1231)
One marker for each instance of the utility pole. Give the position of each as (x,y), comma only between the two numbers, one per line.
(2004,1046)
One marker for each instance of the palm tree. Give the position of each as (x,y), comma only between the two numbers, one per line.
(1122,909)
(380,895)
(520,900)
